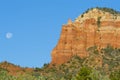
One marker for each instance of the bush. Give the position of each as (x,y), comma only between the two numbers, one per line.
(98,21)
(115,75)
(84,73)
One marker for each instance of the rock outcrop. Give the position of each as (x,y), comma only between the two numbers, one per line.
(96,27)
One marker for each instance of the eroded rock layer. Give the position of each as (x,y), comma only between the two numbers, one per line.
(76,37)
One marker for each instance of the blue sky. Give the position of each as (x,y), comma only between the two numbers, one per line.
(33,27)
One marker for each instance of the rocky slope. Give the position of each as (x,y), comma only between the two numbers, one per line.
(13,69)
(101,62)
(96,27)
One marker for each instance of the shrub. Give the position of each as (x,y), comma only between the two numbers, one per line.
(115,75)
(83,74)
(98,21)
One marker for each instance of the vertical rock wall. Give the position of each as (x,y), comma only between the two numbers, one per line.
(76,37)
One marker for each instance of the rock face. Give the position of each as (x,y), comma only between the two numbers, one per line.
(94,28)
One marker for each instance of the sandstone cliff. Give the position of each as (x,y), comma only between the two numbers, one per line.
(96,27)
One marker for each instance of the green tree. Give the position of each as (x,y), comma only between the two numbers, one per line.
(84,73)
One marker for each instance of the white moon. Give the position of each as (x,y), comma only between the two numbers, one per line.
(9,35)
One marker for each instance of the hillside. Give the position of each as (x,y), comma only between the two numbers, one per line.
(13,69)
(102,64)
(88,49)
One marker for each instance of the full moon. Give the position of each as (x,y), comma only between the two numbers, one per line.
(9,35)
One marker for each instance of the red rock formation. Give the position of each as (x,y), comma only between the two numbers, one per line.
(14,69)
(76,37)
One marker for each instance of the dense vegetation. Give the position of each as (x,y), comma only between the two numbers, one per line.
(102,64)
